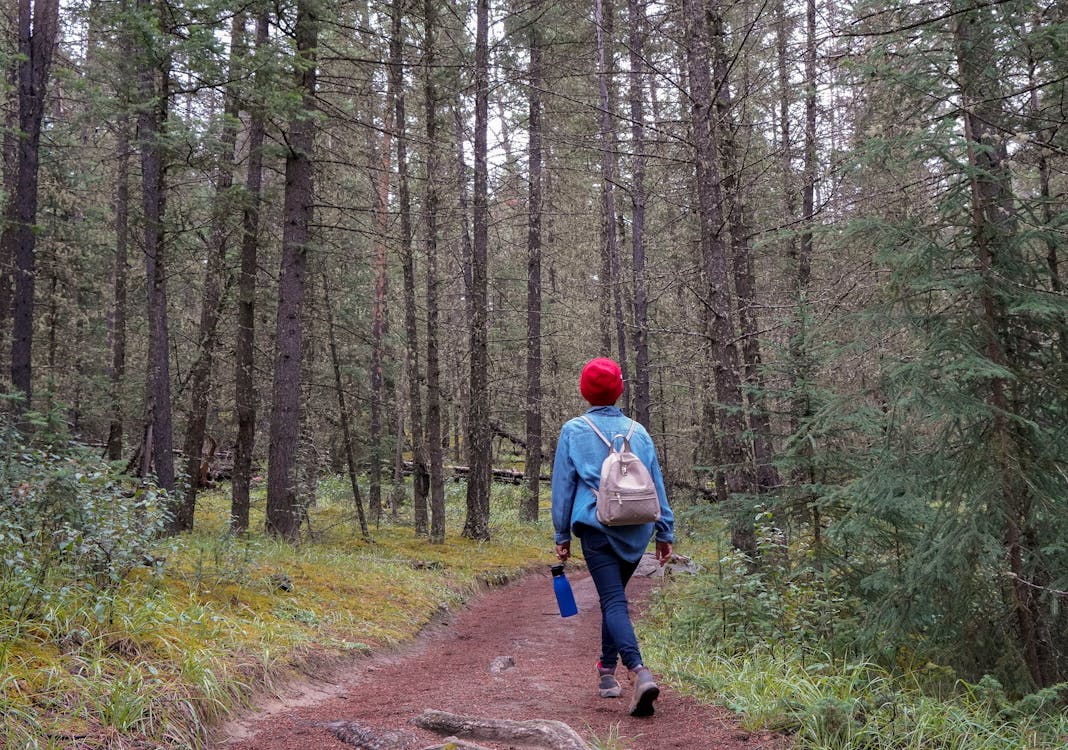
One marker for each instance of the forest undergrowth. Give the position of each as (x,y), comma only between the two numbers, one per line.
(112,635)
(786,651)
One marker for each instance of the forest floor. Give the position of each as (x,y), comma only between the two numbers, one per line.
(454,666)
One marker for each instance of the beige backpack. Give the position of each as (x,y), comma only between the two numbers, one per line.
(627,495)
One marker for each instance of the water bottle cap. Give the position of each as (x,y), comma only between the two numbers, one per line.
(558,570)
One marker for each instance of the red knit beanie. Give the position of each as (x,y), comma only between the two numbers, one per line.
(602,382)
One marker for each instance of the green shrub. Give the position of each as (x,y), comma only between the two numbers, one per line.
(68,521)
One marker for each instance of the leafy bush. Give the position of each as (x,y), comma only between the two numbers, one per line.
(68,520)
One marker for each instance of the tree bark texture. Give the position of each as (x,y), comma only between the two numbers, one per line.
(733,459)
(156,452)
(732,126)
(120,269)
(37,29)
(435,457)
(380,186)
(283,507)
(529,511)
(603,24)
(421,473)
(10,146)
(637,34)
(476,524)
(245,398)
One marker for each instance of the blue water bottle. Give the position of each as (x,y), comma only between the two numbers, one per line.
(565,599)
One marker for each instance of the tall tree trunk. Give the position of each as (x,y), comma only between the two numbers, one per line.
(460,379)
(808,196)
(434,428)
(117,319)
(37,31)
(529,511)
(380,186)
(993,238)
(476,524)
(420,472)
(463,205)
(1049,203)
(640,392)
(10,154)
(734,193)
(798,370)
(245,399)
(283,507)
(616,215)
(200,373)
(156,450)
(606,138)
(802,406)
(733,458)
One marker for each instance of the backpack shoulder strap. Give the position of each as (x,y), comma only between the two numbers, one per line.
(600,434)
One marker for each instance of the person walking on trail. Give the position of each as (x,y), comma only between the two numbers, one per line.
(612,552)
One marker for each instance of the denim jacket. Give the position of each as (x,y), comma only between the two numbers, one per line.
(577,474)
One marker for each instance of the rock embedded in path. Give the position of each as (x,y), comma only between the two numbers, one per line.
(356,734)
(501,664)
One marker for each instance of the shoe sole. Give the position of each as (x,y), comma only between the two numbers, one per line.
(612,692)
(643,704)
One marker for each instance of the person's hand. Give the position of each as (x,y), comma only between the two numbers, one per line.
(663,552)
(563,551)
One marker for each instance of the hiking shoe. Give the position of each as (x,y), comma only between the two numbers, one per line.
(645,692)
(607,684)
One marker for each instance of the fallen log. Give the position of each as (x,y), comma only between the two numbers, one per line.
(511,476)
(538,733)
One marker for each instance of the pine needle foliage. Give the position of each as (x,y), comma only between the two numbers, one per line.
(934,481)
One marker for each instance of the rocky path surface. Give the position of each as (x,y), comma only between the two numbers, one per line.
(508,655)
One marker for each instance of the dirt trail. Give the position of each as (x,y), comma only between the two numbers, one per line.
(450,669)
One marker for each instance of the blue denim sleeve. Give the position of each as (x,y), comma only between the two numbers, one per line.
(564,485)
(665,525)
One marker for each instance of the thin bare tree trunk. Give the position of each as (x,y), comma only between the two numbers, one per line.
(640,392)
(615,213)
(245,398)
(200,374)
(529,511)
(380,184)
(420,472)
(283,507)
(434,427)
(343,414)
(602,20)
(476,524)
(117,318)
